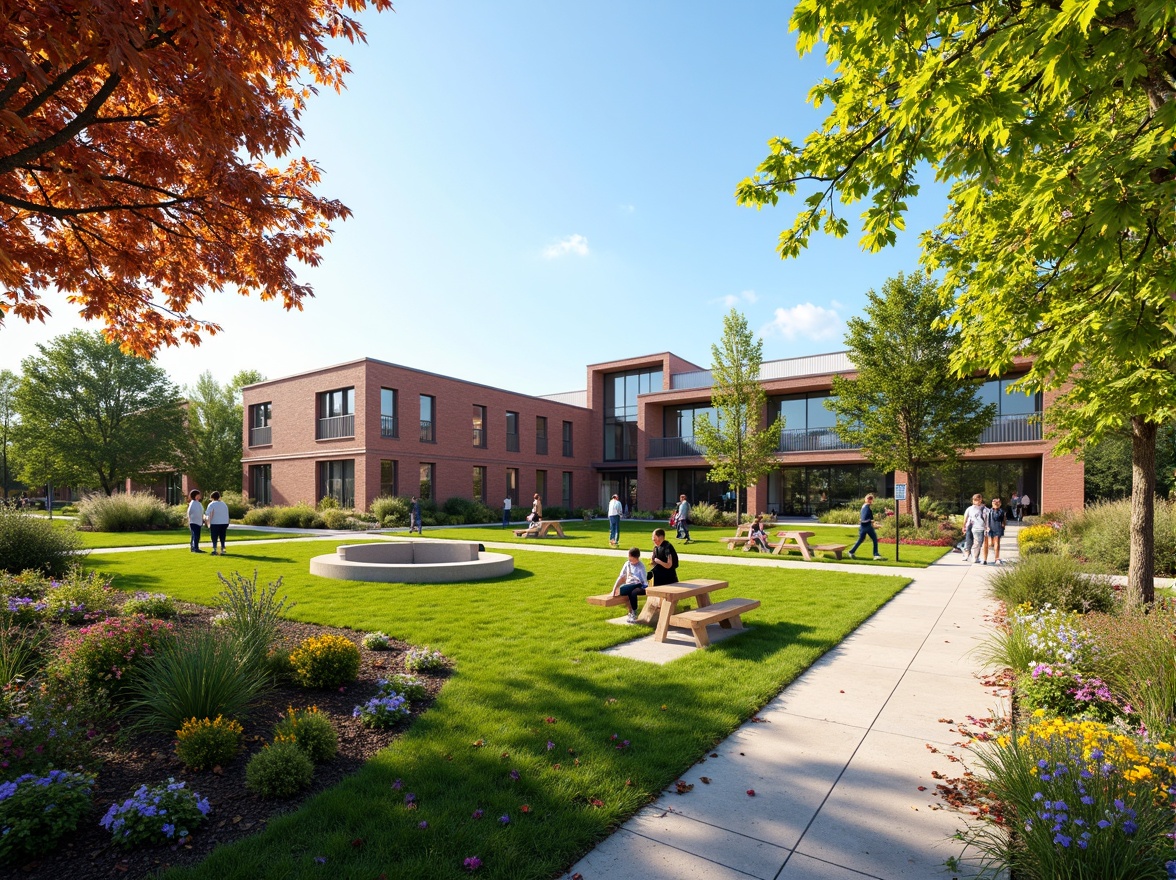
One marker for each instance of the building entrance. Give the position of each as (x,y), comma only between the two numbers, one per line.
(621,483)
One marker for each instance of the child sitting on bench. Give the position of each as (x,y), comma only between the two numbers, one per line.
(758,537)
(632,582)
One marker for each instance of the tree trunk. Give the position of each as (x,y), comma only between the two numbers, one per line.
(1141,573)
(913,494)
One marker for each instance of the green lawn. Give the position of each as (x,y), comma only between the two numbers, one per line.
(525,649)
(705,541)
(162,537)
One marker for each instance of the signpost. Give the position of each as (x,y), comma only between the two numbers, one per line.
(899,495)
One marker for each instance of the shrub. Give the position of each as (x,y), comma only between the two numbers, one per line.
(197,676)
(325,661)
(51,727)
(1045,635)
(1046,579)
(278,666)
(376,641)
(328,502)
(37,811)
(155,814)
(1137,660)
(382,711)
(410,687)
(203,744)
(390,511)
(81,596)
(22,611)
(423,660)
(1101,534)
(21,653)
(337,518)
(32,543)
(157,605)
(1037,539)
(177,516)
(129,512)
(311,730)
(259,516)
(105,653)
(237,503)
(297,516)
(704,514)
(280,769)
(1083,800)
(1060,691)
(251,613)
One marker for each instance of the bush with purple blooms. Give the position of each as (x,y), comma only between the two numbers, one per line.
(1060,690)
(410,687)
(35,811)
(102,654)
(156,814)
(423,660)
(381,711)
(80,597)
(49,732)
(23,610)
(159,606)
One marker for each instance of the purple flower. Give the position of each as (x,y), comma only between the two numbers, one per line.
(1129,827)
(504,819)
(410,798)
(1061,839)
(514,774)
(550,745)
(422,825)
(472,863)
(478,814)
(322,860)
(397,784)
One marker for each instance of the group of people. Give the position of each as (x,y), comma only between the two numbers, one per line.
(983,529)
(1019,506)
(634,579)
(215,516)
(680,520)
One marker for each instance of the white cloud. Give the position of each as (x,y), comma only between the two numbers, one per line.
(806,321)
(733,299)
(573,244)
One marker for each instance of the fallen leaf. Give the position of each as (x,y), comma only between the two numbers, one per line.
(236,819)
(922,788)
(357,843)
(663,707)
(526,808)
(597,802)
(577,876)
(628,782)
(681,786)
(505,755)
(705,780)
(218,770)
(478,743)
(550,719)
(751,792)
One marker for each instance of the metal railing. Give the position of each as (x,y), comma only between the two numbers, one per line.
(262,436)
(1016,428)
(336,426)
(388,427)
(672,447)
(426,431)
(811,440)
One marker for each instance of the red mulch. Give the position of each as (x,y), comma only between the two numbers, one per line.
(88,854)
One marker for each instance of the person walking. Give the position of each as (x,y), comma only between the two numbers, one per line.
(866,527)
(1015,506)
(195,520)
(996,529)
(217,515)
(614,521)
(506,512)
(414,516)
(1025,502)
(684,519)
(976,525)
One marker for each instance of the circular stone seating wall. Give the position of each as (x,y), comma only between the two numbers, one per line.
(412,562)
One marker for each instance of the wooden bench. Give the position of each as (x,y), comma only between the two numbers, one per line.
(726,613)
(732,543)
(541,530)
(835,549)
(607,600)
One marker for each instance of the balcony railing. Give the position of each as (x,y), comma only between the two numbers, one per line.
(261,436)
(426,431)
(388,427)
(672,447)
(512,442)
(336,426)
(811,440)
(1017,428)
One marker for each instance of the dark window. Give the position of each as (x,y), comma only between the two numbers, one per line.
(620,411)
(567,490)
(567,439)
(388,476)
(337,480)
(480,483)
(479,426)
(336,414)
(174,488)
(541,483)
(541,435)
(512,432)
(512,485)
(428,417)
(259,425)
(260,490)
(428,480)
(388,426)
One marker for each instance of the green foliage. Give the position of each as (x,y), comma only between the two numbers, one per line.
(30,543)
(1048,579)
(704,514)
(376,641)
(424,660)
(21,655)
(467,511)
(237,503)
(1101,534)
(738,451)
(390,511)
(340,518)
(157,605)
(251,613)
(9,464)
(1136,659)
(36,812)
(125,512)
(162,813)
(410,687)
(1034,539)
(325,661)
(328,502)
(51,726)
(279,770)
(212,444)
(199,675)
(297,516)
(906,408)
(311,730)
(93,415)
(105,654)
(204,743)
(80,596)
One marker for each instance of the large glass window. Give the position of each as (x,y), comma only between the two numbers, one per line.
(428,416)
(479,483)
(512,432)
(259,424)
(541,484)
(336,414)
(388,426)
(808,425)
(566,485)
(620,410)
(173,488)
(260,484)
(567,439)
(479,426)
(541,435)
(1016,412)
(694,484)
(337,480)
(805,491)
(388,476)
(428,480)
(512,486)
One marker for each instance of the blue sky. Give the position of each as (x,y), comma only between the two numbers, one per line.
(540,186)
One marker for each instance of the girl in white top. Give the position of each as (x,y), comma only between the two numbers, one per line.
(631,582)
(217,515)
(195,520)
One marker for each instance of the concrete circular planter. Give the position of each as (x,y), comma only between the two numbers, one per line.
(412,562)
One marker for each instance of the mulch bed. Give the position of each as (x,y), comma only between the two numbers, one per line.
(88,854)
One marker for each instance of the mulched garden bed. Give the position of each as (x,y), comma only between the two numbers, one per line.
(88,854)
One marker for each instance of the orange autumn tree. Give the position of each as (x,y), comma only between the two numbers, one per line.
(136,148)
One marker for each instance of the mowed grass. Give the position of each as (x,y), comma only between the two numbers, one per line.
(529,692)
(163,537)
(705,540)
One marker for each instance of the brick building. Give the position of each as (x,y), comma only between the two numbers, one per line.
(366,428)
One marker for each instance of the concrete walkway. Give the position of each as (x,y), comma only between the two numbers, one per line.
(836,761)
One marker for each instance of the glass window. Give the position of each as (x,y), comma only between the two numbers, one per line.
(388,468)
(428,480)
(620,411)
(512,432)
(337,480)
(541,435)
(567,490)
(818,416)
(794,410)
(340,402)
(541,483)
(480,483)
(480,426)
(259,415)
(1013,402)
(260,484)
(512,485)
(428,416)
(567,439)
(388,426)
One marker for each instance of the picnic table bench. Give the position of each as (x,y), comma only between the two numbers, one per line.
(744,529)
(727,613)
(541,529)
(798,541)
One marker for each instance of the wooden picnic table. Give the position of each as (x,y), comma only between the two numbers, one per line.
(799,541)
(727,613)
(744,529)
(671,594)
(541,529)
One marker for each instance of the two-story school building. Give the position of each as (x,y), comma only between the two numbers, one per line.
(367,428)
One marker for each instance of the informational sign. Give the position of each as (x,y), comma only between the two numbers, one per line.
(900,491)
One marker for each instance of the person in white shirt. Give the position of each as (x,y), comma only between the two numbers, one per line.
(976,522)
(614,521)
(217,515)
(506,511)
(631,582)
(195,520)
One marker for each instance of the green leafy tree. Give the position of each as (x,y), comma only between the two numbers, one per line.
(9,382)
(213,437)
(1054,122)
(906,408)
(92,415)
(1108,465)
(738,450)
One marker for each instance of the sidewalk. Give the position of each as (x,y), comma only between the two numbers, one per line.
(837,759)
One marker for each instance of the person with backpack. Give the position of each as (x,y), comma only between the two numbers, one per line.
(996,528)
(976,524)
(683,521)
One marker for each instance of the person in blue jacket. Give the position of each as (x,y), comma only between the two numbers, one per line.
(866,528)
